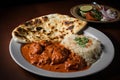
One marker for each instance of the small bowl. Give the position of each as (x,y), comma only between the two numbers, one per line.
(74,11)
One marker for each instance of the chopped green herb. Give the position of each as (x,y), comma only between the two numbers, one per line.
(81,41)
(96,14)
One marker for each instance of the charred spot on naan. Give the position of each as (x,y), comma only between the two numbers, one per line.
(45,18)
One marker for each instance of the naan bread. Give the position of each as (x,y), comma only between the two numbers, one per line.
(51,27)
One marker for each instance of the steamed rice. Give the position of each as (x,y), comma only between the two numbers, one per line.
(91,53)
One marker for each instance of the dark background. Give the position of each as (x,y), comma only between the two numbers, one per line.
(9,3)
(13,3)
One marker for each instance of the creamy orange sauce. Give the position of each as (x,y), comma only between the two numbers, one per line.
(53,57)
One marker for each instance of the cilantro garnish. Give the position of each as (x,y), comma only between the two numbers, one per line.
(81,41)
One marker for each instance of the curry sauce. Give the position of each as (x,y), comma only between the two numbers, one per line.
(53,57)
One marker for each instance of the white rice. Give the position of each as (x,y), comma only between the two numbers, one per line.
(91,54)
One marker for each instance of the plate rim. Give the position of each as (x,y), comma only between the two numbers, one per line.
(73,12)
(33,69)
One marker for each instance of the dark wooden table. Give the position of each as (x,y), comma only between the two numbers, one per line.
(11,15)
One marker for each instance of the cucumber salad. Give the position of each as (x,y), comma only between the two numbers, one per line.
(97,13)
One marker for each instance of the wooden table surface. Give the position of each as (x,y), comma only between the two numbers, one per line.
(12,15)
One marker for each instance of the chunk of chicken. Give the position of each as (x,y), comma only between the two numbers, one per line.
(55,53)
(44,59)
(35,48)
(75,62)
(59,55)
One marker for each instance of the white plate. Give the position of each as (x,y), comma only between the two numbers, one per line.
(105,59)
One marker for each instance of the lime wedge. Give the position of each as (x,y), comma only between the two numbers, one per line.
(86,8)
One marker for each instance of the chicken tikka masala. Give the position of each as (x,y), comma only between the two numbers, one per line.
(53,57)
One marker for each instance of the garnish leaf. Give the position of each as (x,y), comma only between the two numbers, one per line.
(81,41)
